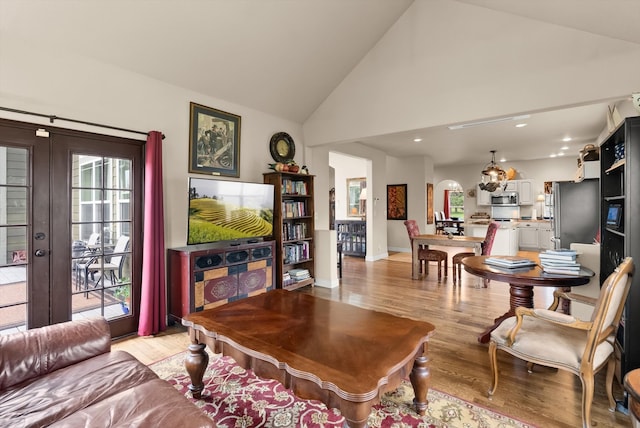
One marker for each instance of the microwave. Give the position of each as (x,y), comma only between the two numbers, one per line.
(505,199)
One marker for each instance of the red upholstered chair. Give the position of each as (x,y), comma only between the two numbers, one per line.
(426,255)
(487,244)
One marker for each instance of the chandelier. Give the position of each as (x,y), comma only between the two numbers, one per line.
(492,175)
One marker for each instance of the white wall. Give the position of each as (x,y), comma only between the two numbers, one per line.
(44,80)
(397,85)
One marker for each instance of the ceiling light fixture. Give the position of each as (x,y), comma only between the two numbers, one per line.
(417,140)
(492,175)
(489,121)
(521,125)
(565,139)
(564,148)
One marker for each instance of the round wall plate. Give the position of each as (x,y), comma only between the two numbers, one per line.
(282,147)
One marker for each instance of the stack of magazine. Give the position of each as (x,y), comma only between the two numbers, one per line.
(510,262)
(562,261)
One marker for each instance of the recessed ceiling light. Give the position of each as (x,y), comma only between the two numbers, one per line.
(417,140)
(521,125)
(564,148)
(566,139)
(552,155)
(561,154)
(503,160)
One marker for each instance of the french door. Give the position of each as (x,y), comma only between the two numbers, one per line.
(70,227)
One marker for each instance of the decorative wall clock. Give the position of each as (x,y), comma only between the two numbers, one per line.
(282,147)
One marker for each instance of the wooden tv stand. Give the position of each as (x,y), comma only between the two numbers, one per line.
(208,275)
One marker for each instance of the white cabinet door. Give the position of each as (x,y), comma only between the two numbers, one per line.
(544,238)
(525,190)
(482,196)
(511,186)
(528,236)
(505,242)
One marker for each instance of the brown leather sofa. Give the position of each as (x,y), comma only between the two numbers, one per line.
(65,375)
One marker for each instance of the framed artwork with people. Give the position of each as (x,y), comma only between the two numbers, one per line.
(214,141)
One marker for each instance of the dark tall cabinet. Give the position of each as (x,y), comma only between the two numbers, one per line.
(620,229)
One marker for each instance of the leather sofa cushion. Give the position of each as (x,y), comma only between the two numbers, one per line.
(152,404)
(52,397)
(37,352)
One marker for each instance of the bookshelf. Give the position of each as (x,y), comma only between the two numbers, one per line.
(293,228)
(352,234)
(620,225)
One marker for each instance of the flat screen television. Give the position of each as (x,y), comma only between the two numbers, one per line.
(228,210)
(614,216)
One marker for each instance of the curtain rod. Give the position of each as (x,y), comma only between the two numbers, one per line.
(54,117)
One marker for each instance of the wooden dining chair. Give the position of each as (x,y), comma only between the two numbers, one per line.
(553,339)
(487,244)
(426,255)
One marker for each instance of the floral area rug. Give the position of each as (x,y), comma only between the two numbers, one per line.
(237,398)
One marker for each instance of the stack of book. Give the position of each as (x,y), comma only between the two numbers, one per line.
(509,262)
(299,274)
(563,262)
(287,280)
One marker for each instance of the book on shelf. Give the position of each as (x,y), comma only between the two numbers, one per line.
(299,274)
(509,261)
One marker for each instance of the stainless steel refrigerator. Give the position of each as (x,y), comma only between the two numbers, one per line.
(576,212)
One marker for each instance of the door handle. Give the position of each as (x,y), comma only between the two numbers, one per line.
(40,253)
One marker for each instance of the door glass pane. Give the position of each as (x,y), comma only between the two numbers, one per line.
(13,238)
(101,272)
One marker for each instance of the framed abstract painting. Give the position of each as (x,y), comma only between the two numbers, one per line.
(396,201)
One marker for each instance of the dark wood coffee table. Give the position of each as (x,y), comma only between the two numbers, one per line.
(342,355)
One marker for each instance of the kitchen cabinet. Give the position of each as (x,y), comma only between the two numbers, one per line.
(525,191)
(505,243)
(511,186)
(545,235)
(528,236)
(535,236)
(482,196)
(524,188)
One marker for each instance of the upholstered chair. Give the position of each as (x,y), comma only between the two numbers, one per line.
(427,255)
(553,339)
(487,244)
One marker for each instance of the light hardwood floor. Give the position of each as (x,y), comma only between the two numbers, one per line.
(459,364)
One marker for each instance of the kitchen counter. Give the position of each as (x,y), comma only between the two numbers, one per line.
(505,242)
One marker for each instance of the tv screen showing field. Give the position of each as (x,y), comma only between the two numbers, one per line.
(228,210)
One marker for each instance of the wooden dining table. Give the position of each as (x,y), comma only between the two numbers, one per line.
(441,240)
(521,283)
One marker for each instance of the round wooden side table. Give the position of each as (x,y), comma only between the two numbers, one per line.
(632,385)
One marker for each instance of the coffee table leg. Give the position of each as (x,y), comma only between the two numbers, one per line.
(420,377)
(196,364)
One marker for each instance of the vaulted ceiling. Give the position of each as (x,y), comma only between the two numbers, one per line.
(286,57)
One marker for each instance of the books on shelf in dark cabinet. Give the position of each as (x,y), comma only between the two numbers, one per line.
(619,192)
(352,234)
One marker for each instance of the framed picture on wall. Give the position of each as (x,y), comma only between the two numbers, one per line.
(396,201)
(214,141)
